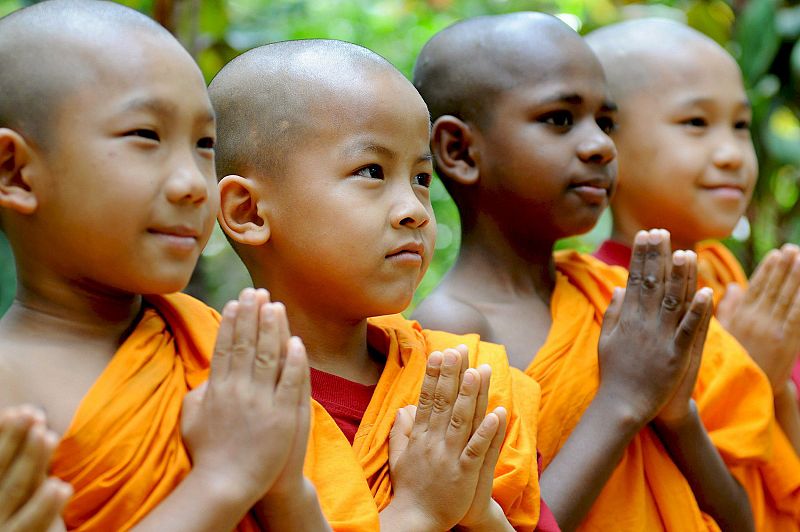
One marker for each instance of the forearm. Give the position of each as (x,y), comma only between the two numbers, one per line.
(716,490)
(787,413)
(199,503)
(577,474)
(298,511)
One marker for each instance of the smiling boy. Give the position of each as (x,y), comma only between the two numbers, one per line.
(107,196)
(687,162)
(325,168)
(521,140)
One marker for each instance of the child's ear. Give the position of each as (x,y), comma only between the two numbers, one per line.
(15,189)
(241,213)
(451,140)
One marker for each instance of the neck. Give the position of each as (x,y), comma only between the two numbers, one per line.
(505,267)
(625,232)
(62,310)
(334,344)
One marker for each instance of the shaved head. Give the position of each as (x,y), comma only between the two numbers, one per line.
(463,68)
(639,54)
(48,50)
(272,97)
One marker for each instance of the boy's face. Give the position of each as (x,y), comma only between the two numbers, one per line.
(546,157)
(352,229)
(131,194)
(686,157)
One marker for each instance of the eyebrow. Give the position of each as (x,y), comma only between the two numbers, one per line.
(576,99)
(704,100)
(163,107)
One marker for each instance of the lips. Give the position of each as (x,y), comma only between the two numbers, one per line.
(409,250)
(182,231)
(593,190)
(178,238)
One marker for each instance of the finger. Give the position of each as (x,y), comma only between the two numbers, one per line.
(292,383)
(635,273)
(691,276)
(699,344)
(788,292)
(220,362)
(23,476)
(672,306)
(478,445)
(791,326)
(460,428)
(760,277)
(485,371)
(613,311)
(447,387)
(497,442)
(42,509)
(245,334)
(399,436)
(692,322)
(268,350)
(283,332)
(14,426)
(654,271)
(774,282)
(729,304)
(425,403)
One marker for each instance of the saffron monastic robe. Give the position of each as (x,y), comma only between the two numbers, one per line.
(646,491)
(331,459)
(123,452)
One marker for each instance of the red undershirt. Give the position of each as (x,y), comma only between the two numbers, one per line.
(346,401)
(618,254)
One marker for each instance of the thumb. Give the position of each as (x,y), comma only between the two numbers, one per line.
(613,312)
(729,304)
(191,405)
(400,434)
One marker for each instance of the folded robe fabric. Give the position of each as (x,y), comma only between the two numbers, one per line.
(775,489)
(338,470)
(646,491)
(123,452)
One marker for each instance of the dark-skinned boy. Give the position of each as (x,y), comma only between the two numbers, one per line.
(520,138)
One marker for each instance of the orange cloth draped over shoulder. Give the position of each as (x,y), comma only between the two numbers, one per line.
(775,489)
(646,491)
(339,470)
(123,452)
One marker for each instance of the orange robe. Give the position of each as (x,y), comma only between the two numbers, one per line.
(775,490)
(123,452)
(335,466)
(646,491)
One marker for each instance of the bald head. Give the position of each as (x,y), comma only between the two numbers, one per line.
(640,54)
(270,98)
(50,49)
(463,68)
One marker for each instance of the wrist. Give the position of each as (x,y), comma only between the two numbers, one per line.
(786,394)
(493,520)
(675,427)
(227,491)
(400,517)
(621,414)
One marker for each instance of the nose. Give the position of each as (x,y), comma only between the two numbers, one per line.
(187,183)
(597,147)
(729,154)
(410,211)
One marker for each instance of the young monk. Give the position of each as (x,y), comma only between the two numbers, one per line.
(326,169)
(29,501)
(520,137)
(687,160)
(108,192)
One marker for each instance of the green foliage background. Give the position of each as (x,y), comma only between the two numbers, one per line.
(761,34)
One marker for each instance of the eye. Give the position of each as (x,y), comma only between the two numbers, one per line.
(145,134)
(372,171)
(423,179)
(607,124)
(557,118)
(742,124)
(696,121)
(206,143)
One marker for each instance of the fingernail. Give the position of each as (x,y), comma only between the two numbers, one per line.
(641,237)
(435,360)
(704,294)
(249,296)
(469,377)
(449,358)
(679,258)
(655,237)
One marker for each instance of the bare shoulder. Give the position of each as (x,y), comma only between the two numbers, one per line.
(10,385)
(443,312)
